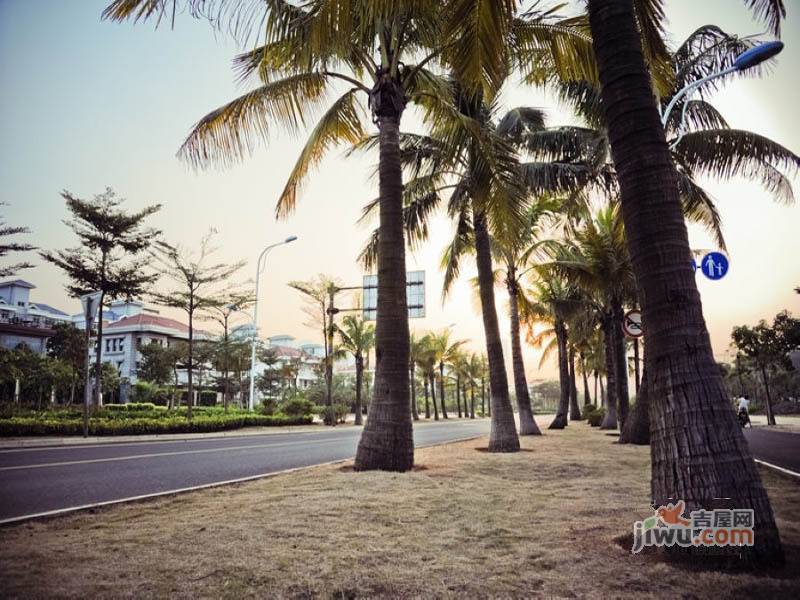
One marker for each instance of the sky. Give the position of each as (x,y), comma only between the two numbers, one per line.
(87,104)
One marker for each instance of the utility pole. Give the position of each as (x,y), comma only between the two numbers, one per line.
(332,310)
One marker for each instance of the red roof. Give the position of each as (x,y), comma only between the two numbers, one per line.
(144,320)
(289,352)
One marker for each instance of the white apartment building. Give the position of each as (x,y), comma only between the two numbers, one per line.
(23,321)
(127,327)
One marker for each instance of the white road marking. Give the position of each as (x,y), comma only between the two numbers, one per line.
(156,454)
(776,467)
(61,511)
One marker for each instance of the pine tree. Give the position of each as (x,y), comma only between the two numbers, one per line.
(7,247)
(110,258)
(198,287)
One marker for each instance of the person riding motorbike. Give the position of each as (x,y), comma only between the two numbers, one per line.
(743,414)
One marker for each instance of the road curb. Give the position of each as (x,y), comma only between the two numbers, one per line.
(72,509)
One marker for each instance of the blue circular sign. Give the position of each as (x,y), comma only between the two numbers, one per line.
(714,265)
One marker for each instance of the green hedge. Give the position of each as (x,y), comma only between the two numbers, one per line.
(22,426)
(593,415)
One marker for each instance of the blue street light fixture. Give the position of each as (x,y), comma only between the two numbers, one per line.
(259,267)
(746,60)
(757,54)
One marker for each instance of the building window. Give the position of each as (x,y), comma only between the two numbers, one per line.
(108,345)
(122,344)
(139,342)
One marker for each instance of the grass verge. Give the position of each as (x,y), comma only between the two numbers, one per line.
(463,524)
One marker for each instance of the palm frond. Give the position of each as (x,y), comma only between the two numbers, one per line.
(462,244)
(519,120)
(475,41)
(342,123)
(699,207)
(770,11)
(546,50)
(231,132)
(726,153)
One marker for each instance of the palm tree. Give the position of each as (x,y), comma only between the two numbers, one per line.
(416,352)
(305,52)
(474,373)
(597,260)
(552,302)
(444,351)
(514,252)
(426,361)
(710,148)
(357,337)
(688,397)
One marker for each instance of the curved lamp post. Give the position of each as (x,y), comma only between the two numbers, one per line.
(746,60)
(259,267)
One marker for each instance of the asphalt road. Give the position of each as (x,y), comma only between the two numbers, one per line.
(39,480)
(778,448)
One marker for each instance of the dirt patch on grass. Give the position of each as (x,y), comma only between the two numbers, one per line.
(469,524)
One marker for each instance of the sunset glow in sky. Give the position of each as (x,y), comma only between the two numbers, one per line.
(88,104)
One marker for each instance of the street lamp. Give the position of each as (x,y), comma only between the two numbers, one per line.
(259,267)
(746,60)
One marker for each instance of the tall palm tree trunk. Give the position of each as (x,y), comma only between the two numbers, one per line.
(414,410)
(563,376)
(503,433)
(458,396)
(596,377)
(609,346)
(587,398)
(527,424)
(472,400)
(483,397)
(637,426)
(433,396)
(359,420)
(698,450)
(574,408)
(441,390)
(621,358)
(603,397)
(386,441)
(427,400)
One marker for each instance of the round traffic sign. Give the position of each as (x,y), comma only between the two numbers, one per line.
(714,265)
(632,324)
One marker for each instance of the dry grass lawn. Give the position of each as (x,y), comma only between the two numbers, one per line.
(465,524)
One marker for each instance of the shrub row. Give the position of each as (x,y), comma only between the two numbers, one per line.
(593,415)
(22,426)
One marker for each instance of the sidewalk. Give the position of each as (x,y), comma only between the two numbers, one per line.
(786,423)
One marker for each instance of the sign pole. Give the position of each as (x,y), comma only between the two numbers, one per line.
(90,303)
